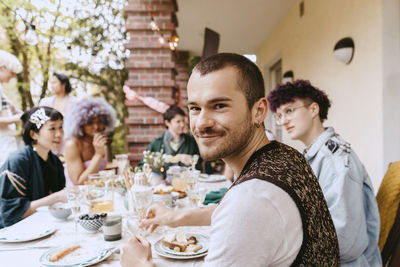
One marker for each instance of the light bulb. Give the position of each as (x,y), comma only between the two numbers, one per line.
(30,36)
(153,25)
(161,40)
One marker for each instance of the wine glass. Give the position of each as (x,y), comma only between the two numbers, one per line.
(194,160)
(122,162)
(142,198)
(74,199)
(196,196)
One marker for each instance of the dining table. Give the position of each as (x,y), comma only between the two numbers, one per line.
(29,253)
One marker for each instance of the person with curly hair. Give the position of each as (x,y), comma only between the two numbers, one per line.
(61,99)
(86,126)
(9,113)
(301,109)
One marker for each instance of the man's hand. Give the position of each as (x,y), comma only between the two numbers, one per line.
(158,215)
(136,252)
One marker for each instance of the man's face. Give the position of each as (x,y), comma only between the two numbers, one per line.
(177,125)
(296,118)
(6,75)
(220,119)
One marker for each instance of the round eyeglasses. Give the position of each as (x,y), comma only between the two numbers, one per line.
(287,113)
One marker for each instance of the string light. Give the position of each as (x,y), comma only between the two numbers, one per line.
(173,42)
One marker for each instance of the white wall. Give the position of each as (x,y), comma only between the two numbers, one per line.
(356,90)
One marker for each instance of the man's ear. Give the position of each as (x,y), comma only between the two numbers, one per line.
(314,107)
(260,110)
(167,123)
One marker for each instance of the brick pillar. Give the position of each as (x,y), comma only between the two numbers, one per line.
(151,68)
(182,77)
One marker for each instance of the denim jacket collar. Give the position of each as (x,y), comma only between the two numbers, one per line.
(318,143)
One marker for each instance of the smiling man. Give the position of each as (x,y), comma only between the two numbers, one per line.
(274,214)
(301,109)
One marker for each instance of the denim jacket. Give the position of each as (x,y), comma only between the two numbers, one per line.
(350,197)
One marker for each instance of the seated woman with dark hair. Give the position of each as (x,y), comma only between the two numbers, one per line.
(33,176)
(86,126)
(60,100)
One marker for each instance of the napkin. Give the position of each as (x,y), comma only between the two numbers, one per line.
(215,196)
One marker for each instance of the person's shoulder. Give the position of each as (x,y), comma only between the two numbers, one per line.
(72,144)
(158,140)
(46,101)
(254,190)
(21,157)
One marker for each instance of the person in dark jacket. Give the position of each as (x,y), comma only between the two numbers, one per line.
(175,141)
(33,176)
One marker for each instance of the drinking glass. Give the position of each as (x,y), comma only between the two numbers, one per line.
(101,192)
(191,180)
(142,198)
(122,162)
(179,181)
(196,196)
(74,199)
(194,160)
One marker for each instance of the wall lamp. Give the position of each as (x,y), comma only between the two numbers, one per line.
(344,50)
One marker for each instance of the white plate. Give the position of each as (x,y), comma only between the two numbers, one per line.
(25,230)
(201,239)
(160,251)
(212,178)
(87,254)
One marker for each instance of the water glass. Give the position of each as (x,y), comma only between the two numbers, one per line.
(122,162)
(101,192)
(194,160)
(142,198)
(74,201)
(196,196)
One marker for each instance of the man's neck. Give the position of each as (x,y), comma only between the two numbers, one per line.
(175,137)
(316,130)
(238,161)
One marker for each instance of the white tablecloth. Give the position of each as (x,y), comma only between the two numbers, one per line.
(27,254)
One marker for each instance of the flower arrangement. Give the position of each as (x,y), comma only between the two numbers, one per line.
(156,160)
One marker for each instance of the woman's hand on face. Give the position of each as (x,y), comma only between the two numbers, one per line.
(99,142)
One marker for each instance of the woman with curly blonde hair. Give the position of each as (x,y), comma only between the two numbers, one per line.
(86,126)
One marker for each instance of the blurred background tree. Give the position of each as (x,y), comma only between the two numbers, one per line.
(82,38)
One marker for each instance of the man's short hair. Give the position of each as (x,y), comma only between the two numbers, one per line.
(299,89)
(172,112)
(250,79)
(10,62)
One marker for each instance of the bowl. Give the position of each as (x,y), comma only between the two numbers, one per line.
(92,222)
(60,210)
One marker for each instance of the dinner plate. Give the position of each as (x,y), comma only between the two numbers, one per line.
(87,254)
(167,252)
(212,178)
(160,251)
(24,231)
